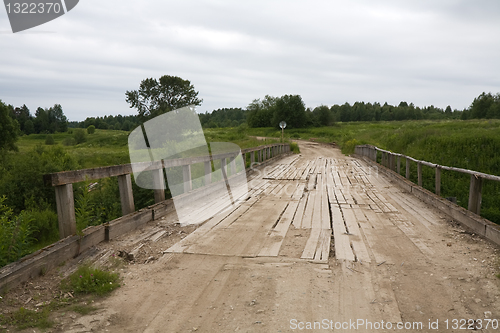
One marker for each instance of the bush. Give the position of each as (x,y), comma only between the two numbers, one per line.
(49,140)
(294,147)
(21,176)
(88,280)
(45,225)
(91,129)
(15,234)
(69,141)
(79,136)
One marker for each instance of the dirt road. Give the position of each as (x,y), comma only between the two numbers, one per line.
(323,242)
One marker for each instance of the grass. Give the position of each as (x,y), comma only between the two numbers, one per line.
(88,280)
(24,318)
(83,282)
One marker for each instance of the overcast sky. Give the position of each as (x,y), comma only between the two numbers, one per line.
(439,52)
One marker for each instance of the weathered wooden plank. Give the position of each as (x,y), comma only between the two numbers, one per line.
(308,213)
(126,195)
(355,235)
(299,215)
(65,210)
(312,244)
(127,223)
(343,250)
(276,237)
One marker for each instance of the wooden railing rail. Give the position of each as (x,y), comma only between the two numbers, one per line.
(63,181)
(393,161)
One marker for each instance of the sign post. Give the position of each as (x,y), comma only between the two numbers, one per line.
(282,125)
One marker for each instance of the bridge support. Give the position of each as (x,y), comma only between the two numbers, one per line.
(126,195)
(438,181)
(159,182)
(208,173)
(186,178)
(476,186)
(65,210)
(419,171)
(407,168)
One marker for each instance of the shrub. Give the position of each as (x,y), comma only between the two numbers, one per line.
(79,136)
(294,147)
(91,129)
(88,280)
(15,234)
(21,176)
(69,141)
(49,140)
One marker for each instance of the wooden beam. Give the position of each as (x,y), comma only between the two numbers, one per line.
(126,195)
(208,173)
(419,171)
(186,177)
(159,181)
(476,186)
(438,181)
(65,210)
(407,168)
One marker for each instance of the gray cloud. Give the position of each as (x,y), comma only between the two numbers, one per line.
(329,52)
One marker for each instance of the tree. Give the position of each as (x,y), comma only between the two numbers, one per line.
(57,120)
(323,115)
(29,127)
(260,113)
(9,129)
(291,109)
(156,97)
(91,129)
(22,115)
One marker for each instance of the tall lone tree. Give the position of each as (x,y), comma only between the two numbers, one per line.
(156,97)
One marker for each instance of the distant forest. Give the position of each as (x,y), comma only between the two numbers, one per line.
(267,112)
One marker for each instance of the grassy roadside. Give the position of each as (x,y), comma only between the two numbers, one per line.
(74,294)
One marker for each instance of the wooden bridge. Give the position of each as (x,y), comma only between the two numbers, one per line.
(324,242)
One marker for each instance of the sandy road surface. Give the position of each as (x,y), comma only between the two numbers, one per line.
(322,238)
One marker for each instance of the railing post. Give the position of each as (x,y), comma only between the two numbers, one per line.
(65,210)
(419,171)
(223,168)
(399,165)
(186,177)
(208,173)
(392,163)
(438,180)
(407,168)
(126,195)
(252,158)
(476,186)
(232,164)
(159,182)
(259,155)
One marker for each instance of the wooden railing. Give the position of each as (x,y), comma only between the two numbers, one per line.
(393,161)
(63,181)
